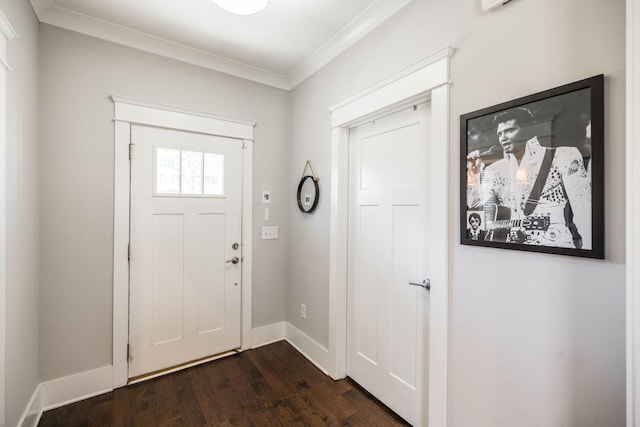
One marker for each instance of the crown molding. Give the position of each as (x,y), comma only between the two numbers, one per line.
(5,27)
(41,6)
(355,30)
(6,33)
(50,13)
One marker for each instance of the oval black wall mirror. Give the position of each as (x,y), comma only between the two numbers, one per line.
(308,194)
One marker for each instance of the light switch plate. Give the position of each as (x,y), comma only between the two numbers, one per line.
(270,232)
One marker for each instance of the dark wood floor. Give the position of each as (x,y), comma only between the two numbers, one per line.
(270,386)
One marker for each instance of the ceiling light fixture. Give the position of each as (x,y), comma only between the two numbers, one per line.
(242,7)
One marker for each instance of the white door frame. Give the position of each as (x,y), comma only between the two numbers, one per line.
(633,209)
(6,33)
(428,79)
(134,112)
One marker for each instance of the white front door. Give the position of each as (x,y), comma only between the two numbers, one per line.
(185,264)
(387,330)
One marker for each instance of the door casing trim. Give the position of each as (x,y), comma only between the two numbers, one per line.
(7,33)
(428,79)
(135,112)
(633,207)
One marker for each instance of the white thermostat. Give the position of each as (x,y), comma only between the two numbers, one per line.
(266,197)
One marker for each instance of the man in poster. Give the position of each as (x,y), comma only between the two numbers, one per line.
(534,195)
(474,232)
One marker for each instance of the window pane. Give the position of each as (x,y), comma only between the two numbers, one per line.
(191,172)
(213,174)
(167,171)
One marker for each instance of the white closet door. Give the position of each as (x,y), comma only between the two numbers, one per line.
(386,321)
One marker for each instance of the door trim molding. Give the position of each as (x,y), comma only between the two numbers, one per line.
(6,33)
(428,79)
(130,111)
(633,207)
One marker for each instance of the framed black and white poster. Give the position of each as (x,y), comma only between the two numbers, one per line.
(532,172)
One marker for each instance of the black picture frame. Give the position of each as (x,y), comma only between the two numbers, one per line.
(505,148)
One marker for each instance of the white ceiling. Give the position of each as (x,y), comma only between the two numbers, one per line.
(280,46)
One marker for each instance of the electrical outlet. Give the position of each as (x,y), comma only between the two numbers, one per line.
(303,311)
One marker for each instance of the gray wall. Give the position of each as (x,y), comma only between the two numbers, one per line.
(534,339)
(78,74)
(22,372)
(538,340)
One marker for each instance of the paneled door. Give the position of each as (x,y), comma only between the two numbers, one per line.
(387,331)
(185,254)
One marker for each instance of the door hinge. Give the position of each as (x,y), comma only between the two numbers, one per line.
(244,144)
(129,252)
(130,151)
(128,352)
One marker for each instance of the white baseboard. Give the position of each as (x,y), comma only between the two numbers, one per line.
(63,391)
(66,390)
(268,334)
(317,354)
(32,414)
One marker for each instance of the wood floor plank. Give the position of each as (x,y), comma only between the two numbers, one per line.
(343,385)
(305,414)
(202,394)
(372,409)
(123,407)
(296,365)
(333,401)
(281,385)
(190,411)
(269,386)
(283,413)
(223,397)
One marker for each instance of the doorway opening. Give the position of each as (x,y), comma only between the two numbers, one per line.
(427,80)
(387,315)
(133,114)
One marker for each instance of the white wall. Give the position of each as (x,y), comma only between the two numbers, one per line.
(21,369)
(535,339)
(78,74)
(633,207)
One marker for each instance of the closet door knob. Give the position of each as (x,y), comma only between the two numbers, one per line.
(426,283)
